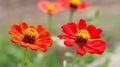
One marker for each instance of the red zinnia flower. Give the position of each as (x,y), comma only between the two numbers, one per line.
(33,37)
(74,4)
(50,7)
(86,37)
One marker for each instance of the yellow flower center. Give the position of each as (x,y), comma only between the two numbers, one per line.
(50,7)
(75,2)
(31,32)
(83,34)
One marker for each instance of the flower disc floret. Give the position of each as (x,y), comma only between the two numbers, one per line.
(75,2)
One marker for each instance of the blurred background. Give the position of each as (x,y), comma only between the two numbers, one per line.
(14,11)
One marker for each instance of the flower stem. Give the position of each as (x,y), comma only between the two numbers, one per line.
(71,14)
(49,25)
(74,60)
(24,56)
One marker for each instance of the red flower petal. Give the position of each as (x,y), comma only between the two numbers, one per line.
(33,46)
(70,28)
(65,3)
(14,33)
(69,42)
(98,45)
(43,48)
(23,26)
(16,30)
(44,35)
(97,33)
(91,28)
(40,28)
(15,40)
(47,42)
(82,24)
(90,49)
(82,6)
(32,26)
(80,50)
(23,44)
(94,33)
(43,6)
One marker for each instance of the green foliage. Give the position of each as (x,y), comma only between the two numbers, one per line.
(85,60)
(12,54)
(51,59)
(65,64)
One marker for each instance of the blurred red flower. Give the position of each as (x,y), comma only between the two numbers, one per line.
(33,37)
(74,4)
(88,38)
(50,7)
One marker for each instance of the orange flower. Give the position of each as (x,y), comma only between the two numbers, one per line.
(50,7)
(74,4)
(33,37)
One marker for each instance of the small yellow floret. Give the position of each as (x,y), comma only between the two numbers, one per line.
(31,32)
(83,33)
(75,2)
(50,7)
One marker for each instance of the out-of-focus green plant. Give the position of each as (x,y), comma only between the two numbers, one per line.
(94,19)
(9,52)
(105,64)
(65,64)
(11,55)
(52,59)
(87,59)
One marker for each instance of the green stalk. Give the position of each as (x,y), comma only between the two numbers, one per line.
(74,60)
(71,14)
(24,57)
(49,25)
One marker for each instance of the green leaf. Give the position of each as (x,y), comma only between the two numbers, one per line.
(52,59)
(65,64)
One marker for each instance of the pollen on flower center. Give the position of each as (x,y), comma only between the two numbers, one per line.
(82,37)
(74,2)
(30,34)
(50,7)
(83,34)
